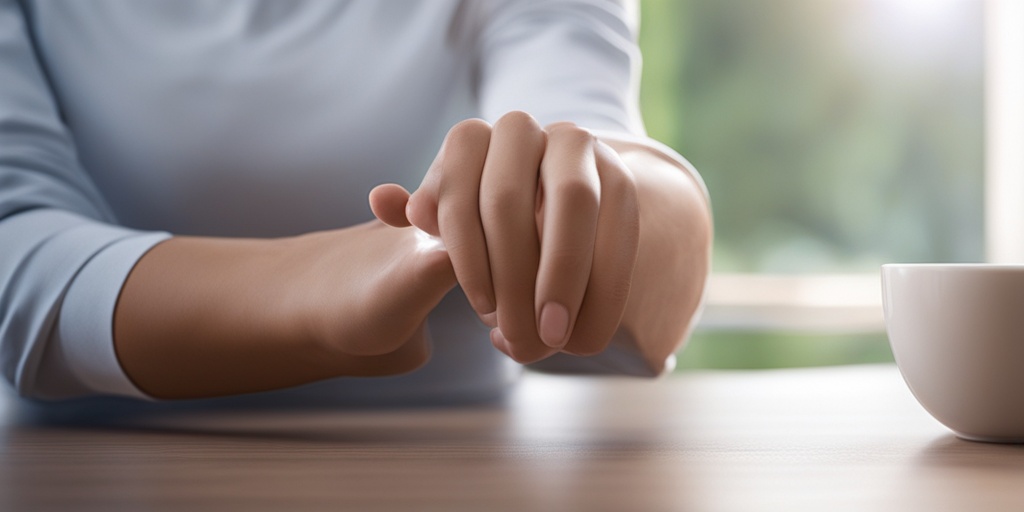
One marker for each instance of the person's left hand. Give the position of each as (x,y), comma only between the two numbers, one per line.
(542,227)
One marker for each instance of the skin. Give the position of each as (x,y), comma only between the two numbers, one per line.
(547,237)
(202,317)
(558,238)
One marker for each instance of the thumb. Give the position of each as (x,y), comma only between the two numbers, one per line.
(421,209)
(421,206)
(388,202)
(394,206)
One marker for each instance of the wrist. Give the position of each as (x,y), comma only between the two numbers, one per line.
(301,306)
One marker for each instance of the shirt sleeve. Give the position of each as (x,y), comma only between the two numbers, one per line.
(63,258)
(572,60)
(563,60)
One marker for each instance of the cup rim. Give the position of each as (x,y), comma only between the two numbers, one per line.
(978,266)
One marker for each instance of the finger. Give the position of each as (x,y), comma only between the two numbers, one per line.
(447,205)
(421,207)
(519,352)
(616,243)
(571,198)
(459,171)
(507,204)
(388,203)
(490,319)
(499,342)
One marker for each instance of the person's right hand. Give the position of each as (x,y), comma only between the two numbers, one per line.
(366,292)
(203,317)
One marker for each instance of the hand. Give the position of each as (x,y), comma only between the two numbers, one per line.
(203,317)
(367,290)
(542,227)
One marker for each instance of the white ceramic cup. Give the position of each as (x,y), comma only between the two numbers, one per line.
(957,332)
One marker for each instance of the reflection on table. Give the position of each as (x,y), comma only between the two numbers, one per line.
(847,438)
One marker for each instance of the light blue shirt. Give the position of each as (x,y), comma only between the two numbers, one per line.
(125,121)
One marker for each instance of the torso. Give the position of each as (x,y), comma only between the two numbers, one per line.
(254,118)
(267,118)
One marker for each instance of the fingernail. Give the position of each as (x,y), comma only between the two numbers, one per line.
(485,304)
(554,323)
(499,341)
(490,319)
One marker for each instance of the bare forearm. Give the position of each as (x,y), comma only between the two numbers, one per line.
(205,316)
(202,317)
(673,255)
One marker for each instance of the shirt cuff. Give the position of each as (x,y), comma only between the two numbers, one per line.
(86,333)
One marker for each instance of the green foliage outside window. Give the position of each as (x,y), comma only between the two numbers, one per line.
(834,136)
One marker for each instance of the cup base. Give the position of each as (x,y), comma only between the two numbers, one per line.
(989,439)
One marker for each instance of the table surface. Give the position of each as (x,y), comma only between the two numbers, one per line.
(843,438)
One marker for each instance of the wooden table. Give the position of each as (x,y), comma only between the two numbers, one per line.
(847,438)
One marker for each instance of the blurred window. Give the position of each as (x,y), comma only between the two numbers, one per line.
(834,136)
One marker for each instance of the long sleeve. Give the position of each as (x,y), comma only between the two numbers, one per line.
(563,60)
(63,258)
(572,60)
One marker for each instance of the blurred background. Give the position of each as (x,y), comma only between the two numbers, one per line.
(834,136)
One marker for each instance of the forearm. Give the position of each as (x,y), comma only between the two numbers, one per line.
(208,316)
(673,257)
(204,317)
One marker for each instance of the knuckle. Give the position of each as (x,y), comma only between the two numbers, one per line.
(469,131)
(558,125)
(568,133)
(517,121)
